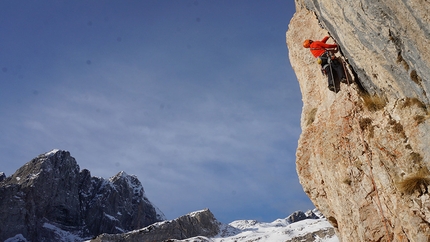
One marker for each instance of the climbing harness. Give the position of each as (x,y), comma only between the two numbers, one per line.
(344,65)
(326,60)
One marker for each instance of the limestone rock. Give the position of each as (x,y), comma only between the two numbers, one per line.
(200,223)
(49,198)
(387,42)
(363,155)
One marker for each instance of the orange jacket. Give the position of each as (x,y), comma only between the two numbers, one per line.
(319,47)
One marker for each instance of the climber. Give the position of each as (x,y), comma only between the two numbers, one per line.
(330,65)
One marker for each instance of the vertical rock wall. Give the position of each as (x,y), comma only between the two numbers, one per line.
(363,155)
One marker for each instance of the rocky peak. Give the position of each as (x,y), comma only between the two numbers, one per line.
(199,223)
(130,184)
(49,197)
(363,155)
(55,165)
(300,215)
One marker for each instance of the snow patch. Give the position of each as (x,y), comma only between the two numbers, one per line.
(110,217)
(62,234)
(227,230)
(120,229)
(269,232)
(278,230)
(17,238)
(193,214)
(34,176)
(52,152)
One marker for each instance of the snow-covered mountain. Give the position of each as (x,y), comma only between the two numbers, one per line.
(201,226)
(317,230)
(51,199)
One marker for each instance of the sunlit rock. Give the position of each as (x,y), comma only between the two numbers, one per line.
(363,154)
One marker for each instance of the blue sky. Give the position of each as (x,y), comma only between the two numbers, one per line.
(195,98)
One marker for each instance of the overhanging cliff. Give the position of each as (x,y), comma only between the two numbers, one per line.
(363,154)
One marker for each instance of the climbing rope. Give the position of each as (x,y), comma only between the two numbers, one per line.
(331,72)
(344,69)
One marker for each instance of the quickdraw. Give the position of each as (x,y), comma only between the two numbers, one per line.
(327,55)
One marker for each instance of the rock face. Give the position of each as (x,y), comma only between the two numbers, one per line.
(200,223)
(2,176)
(49,198)
(300,215)
(363,155)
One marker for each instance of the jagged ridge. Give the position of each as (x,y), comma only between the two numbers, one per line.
(49,197)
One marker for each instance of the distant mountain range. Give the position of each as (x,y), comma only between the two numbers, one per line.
(201,226)
(51,199)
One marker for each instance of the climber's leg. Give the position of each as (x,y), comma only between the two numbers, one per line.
(340,72)
(330,78)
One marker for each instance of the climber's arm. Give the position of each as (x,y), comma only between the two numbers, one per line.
(325,39)
(327,46)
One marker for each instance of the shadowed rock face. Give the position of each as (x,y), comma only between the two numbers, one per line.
(200,223)
(364,159)
(2,176)
(49,197)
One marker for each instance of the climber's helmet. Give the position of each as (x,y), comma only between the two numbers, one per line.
(307,43)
